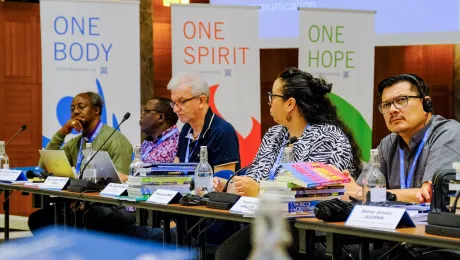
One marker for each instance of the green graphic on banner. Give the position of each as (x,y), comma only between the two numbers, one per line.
(355,121)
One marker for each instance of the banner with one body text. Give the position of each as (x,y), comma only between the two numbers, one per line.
(90,46)
(338,45)
(221,44)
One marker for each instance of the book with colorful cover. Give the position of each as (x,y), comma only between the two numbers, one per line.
(312,174)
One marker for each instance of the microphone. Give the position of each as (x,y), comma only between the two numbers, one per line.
(23,127)
(80,185)
(224,200)
(235,174)
(125,117)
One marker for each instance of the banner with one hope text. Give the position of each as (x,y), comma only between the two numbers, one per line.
(221,44)
(338,45)
(90,46)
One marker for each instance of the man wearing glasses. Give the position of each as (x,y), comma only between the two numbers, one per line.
(158,122)
(190,97)
(420,144)
(86,109)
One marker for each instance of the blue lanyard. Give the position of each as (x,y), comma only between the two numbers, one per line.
(406,184)
(162,139)
(80,154)
(275,166)
(187,153)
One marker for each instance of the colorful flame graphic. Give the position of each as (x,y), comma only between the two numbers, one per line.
(248,145)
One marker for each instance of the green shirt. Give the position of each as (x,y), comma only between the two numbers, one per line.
(118,147)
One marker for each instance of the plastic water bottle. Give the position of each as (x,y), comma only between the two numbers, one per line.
(90,170)
(203,174)
(4,160)
(137,162)
(374,183)
(287,157)
(270,231)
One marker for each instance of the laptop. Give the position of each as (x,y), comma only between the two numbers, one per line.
(56,162)
(105,167)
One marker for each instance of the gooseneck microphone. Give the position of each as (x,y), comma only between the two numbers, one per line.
(80,185)
(20,131)
(235,174)
(125,117)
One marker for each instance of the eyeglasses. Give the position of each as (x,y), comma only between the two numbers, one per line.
(399,102)
(145,111)
(181,103)
(271,95)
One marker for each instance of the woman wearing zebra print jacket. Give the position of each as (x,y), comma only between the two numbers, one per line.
(300,105)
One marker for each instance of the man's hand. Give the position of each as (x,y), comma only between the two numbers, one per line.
(218,183)
(73,123)
(246,186)
(425,193)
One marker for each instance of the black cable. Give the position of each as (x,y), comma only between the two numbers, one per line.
(204,230)
(7,198)
(77,209)
(191,229)
(454,208)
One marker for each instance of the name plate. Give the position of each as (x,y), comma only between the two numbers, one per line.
(114,189)
(165,197)
(379,217)
(246,205)
(12,176)
(55,183)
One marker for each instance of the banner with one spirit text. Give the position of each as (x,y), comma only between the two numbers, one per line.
(339,46)
(90,46)
(221,44)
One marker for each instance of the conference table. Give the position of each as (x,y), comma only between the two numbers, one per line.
(334,231)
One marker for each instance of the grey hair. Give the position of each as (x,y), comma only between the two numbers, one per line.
(95,100)
(189,79)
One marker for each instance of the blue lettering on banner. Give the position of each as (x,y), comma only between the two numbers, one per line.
(80,51)
(59,47)
(63,112)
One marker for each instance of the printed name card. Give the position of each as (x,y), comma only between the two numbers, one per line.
(379,217)
(246,205)
(165,197)
(12,176)
(115,189)
(55,183)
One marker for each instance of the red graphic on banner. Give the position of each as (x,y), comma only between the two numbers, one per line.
(248,145)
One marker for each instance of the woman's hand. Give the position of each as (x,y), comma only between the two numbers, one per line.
(219,184)
(246,186)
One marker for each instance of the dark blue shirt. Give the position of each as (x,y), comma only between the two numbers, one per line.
(218,135)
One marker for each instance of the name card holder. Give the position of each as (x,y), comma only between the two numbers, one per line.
(165,197)
(379,217)
(56,183)
(246,205)
(12,176)
(115,189)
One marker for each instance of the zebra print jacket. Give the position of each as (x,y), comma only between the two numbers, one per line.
(318,143)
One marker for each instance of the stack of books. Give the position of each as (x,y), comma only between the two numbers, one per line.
(176,177)
(303,185)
